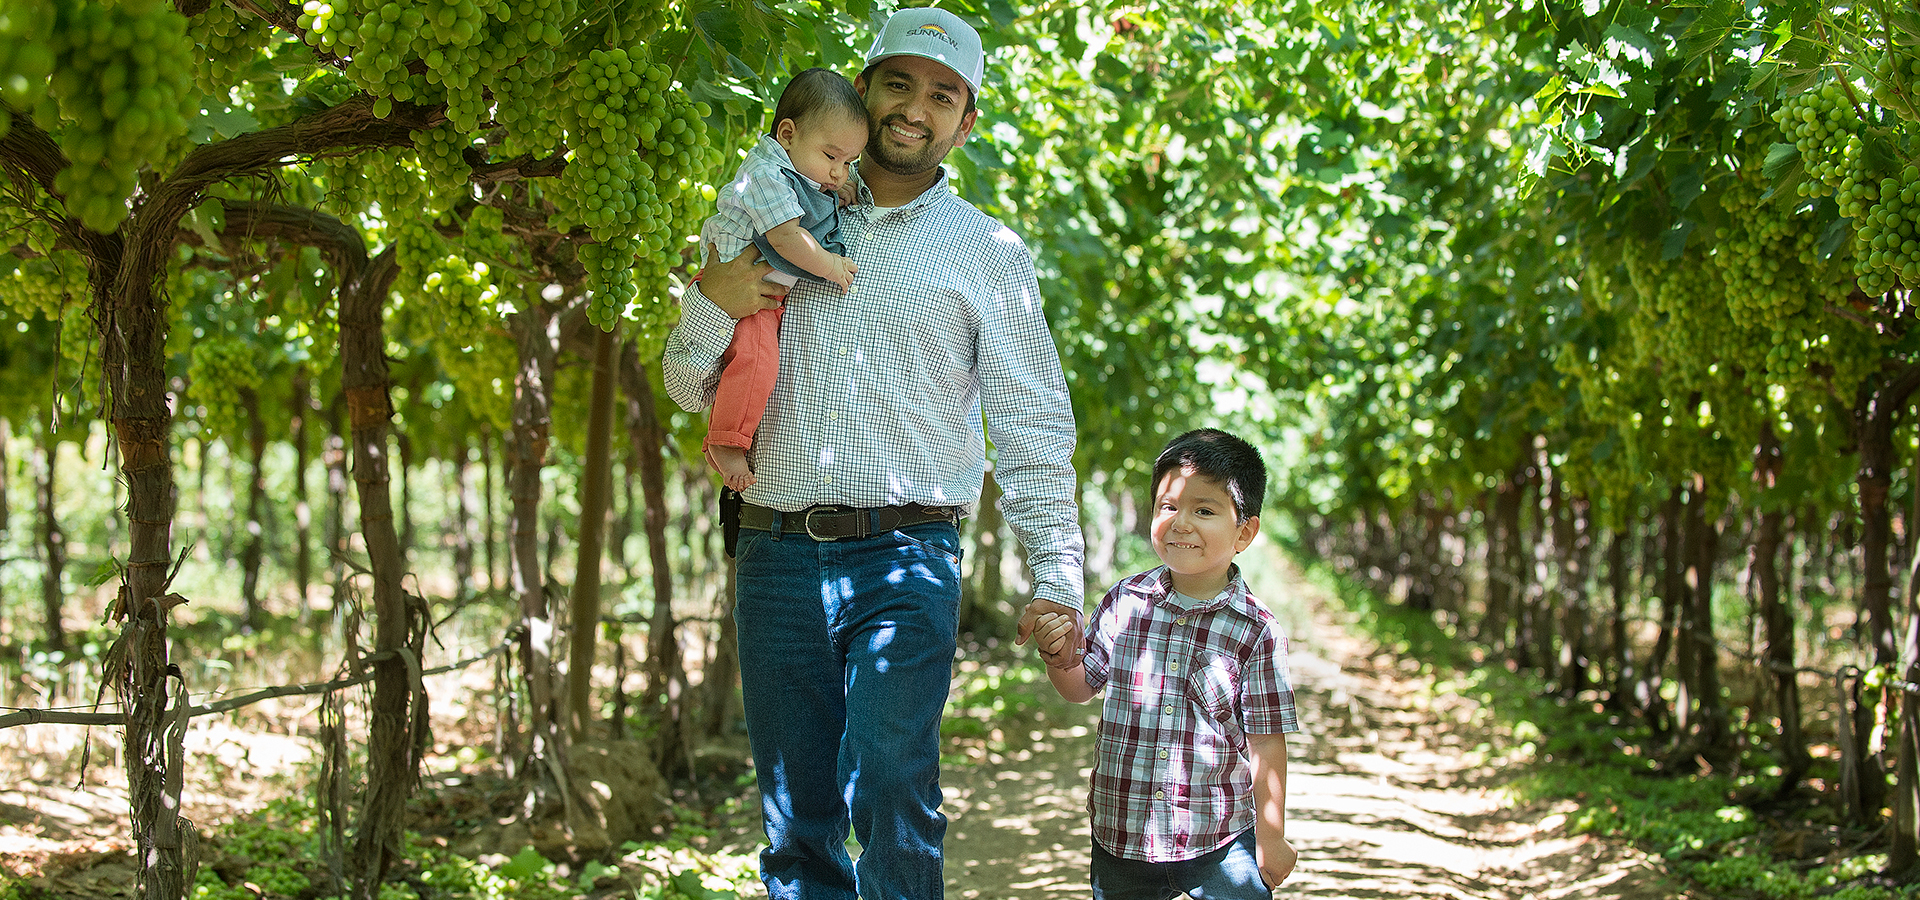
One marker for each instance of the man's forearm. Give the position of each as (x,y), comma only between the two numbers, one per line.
(690,362)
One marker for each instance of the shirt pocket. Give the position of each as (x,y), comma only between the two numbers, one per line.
(1213,685)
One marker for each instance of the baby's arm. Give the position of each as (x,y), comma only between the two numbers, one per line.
(1276,856)
(798,246)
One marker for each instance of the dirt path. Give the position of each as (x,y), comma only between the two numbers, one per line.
(1381,803)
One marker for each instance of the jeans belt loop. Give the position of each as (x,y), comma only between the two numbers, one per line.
(774,529)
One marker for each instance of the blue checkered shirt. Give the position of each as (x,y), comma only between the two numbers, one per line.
(1186,681)
(881,390)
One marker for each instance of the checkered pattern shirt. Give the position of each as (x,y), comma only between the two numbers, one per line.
(1186,683)
(881,390)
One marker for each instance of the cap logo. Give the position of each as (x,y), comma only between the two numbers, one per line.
(933,31)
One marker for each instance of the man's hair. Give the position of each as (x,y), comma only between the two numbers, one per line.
(866,75)
(1223,458)
(815,91)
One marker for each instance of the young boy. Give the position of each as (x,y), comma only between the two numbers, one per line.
(1190,783)
(784,200)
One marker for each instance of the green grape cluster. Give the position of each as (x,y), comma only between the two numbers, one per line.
(464,49)
(228,43)
(446,170)
(1886,233)
(607,189)
(1820,123)
(481,371)
(1680,327)
(121,86)
(523,89)
(682,156)
(44,286)
(1769,259)
(218,369)
(457,291)
(391,178)
(26,58)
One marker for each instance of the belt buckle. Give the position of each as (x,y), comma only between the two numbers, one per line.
(827,510)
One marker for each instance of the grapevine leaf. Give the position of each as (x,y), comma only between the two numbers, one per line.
(1674,242)
(1779,157)
(207,220)
(107,571)
(219,120)
(1632,46)
(1834,236)
(1687,185)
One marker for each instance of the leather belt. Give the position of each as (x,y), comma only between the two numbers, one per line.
(834,523)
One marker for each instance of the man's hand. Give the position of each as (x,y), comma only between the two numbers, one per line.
(738,286)
(1068,652)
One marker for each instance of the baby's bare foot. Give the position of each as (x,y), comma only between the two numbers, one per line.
(732,463)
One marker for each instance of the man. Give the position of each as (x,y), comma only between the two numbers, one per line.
(869,452)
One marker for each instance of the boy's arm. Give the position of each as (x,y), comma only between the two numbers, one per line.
(1071,682)
(1050,636)
(1276,856)
(799,247)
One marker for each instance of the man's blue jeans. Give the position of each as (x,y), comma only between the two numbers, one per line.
(846,655)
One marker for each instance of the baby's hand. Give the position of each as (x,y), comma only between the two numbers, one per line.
(847,193)
(843,272)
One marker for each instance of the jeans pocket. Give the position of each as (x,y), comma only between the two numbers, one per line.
(944,544)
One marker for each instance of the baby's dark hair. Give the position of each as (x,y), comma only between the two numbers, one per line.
(817,91)
(1223,458)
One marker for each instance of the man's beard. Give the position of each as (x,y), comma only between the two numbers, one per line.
(901,162)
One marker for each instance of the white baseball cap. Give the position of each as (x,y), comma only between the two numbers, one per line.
(934,34)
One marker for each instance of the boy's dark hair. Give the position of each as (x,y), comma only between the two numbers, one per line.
(1223,458)
(815,91)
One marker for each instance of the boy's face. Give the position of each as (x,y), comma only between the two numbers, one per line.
(1196,531)
(823,147)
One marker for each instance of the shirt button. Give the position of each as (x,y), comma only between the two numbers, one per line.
(1173,667)
(827,480)
(1168,708)
(832,416)
(1159,795)
(1180,621)
(1163,754)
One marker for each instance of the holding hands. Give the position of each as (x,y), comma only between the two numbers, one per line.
(1055,632)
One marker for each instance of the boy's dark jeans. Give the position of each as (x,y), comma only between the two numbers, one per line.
(1229,873)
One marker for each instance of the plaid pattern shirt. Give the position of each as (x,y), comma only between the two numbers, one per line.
(1185,685)
(881,390)
(765,192)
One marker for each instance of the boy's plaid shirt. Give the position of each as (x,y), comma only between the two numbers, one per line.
(1185,686)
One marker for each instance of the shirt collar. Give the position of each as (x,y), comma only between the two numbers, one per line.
(772,148)
(934,192)
(1159,590)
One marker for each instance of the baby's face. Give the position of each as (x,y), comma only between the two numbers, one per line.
(824,147)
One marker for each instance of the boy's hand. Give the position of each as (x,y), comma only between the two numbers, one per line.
(1066,644)
(1276,858)
(847,193)
(1051,633)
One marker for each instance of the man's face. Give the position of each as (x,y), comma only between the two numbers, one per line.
(916,112)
